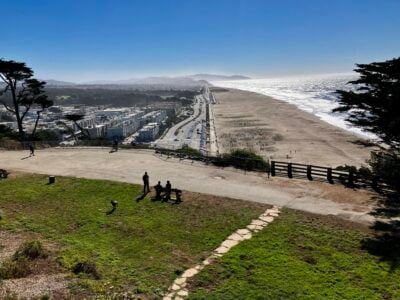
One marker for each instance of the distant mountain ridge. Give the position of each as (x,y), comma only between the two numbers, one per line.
(216,77)
(189,80)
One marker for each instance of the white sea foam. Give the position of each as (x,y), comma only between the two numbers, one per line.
(315,94)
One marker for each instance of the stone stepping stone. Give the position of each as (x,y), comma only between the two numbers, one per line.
(207,261)
(242,231)
(273,214)
(175,287)
(247,236)
(180,280)
(221,250)
(252,227)
(235,237)
(229,243)
(199,267)
(190,272)
(258,223)
(183,293)
(266,219)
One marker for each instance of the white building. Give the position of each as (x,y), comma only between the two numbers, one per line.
(148,133)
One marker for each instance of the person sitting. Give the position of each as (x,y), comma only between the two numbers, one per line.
(158,188)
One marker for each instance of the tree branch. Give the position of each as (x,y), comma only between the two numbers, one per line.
(6,106)
(4,79)
(27,108)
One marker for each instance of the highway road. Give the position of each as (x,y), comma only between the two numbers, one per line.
(191,131)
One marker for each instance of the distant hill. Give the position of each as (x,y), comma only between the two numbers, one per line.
(52,82)
(155,82)
(216,77)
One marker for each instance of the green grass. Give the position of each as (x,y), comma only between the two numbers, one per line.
(299,256)
(141,247)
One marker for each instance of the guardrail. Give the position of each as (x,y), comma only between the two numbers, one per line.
(331,175)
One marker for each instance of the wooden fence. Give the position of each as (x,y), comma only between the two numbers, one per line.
(311,172)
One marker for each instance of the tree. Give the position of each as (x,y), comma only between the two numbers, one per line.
(375,104)
(24,91)
(375,107)
(75,118)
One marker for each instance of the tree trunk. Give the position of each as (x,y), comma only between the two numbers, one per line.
(36,123)
(16,108)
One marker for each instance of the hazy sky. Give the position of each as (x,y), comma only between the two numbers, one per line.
(82,40)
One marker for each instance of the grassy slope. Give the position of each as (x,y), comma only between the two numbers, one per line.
(139,247)
(299,257)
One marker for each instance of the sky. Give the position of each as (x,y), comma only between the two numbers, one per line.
(83,40)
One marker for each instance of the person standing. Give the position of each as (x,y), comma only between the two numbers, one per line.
(146,184)
(32,150)
(168,189)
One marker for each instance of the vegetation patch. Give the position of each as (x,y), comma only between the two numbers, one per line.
(15,268)
(31,250)
(300,256)
(243,159)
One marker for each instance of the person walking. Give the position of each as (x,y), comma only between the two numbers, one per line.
(115,145)
(32,150)
(146,184)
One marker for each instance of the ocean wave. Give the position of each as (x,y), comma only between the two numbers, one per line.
(314,94)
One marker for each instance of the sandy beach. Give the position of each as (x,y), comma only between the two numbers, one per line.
(281,131)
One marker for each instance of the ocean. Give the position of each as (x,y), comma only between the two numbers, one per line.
(315,94)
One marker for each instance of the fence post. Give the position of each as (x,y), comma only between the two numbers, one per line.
(289,170)
(309,173)
(374,182)
(272,168)
(329,175)
(351,178)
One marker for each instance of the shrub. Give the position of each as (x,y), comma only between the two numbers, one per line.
(386,165)
(15,268)
(243,159)
(88,268)
(31,250)
(189,151)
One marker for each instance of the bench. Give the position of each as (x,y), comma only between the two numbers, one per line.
(177,192)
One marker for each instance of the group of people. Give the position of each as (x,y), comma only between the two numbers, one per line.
(158,188)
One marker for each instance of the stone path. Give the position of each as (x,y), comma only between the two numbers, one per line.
(178,290)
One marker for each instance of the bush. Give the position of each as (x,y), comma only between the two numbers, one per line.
(386,165)
(15,268)
(243,159)
(31,250)
(88,268)
(189,151)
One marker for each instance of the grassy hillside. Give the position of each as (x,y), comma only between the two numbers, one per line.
(300,256)
(141,247)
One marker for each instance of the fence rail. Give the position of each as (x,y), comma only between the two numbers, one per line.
(312,172)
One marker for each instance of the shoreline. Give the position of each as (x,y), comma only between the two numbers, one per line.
(280,130)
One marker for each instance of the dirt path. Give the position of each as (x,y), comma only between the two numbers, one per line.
(129,166)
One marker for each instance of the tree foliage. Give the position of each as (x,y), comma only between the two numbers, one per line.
(24,91)
(375,104)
